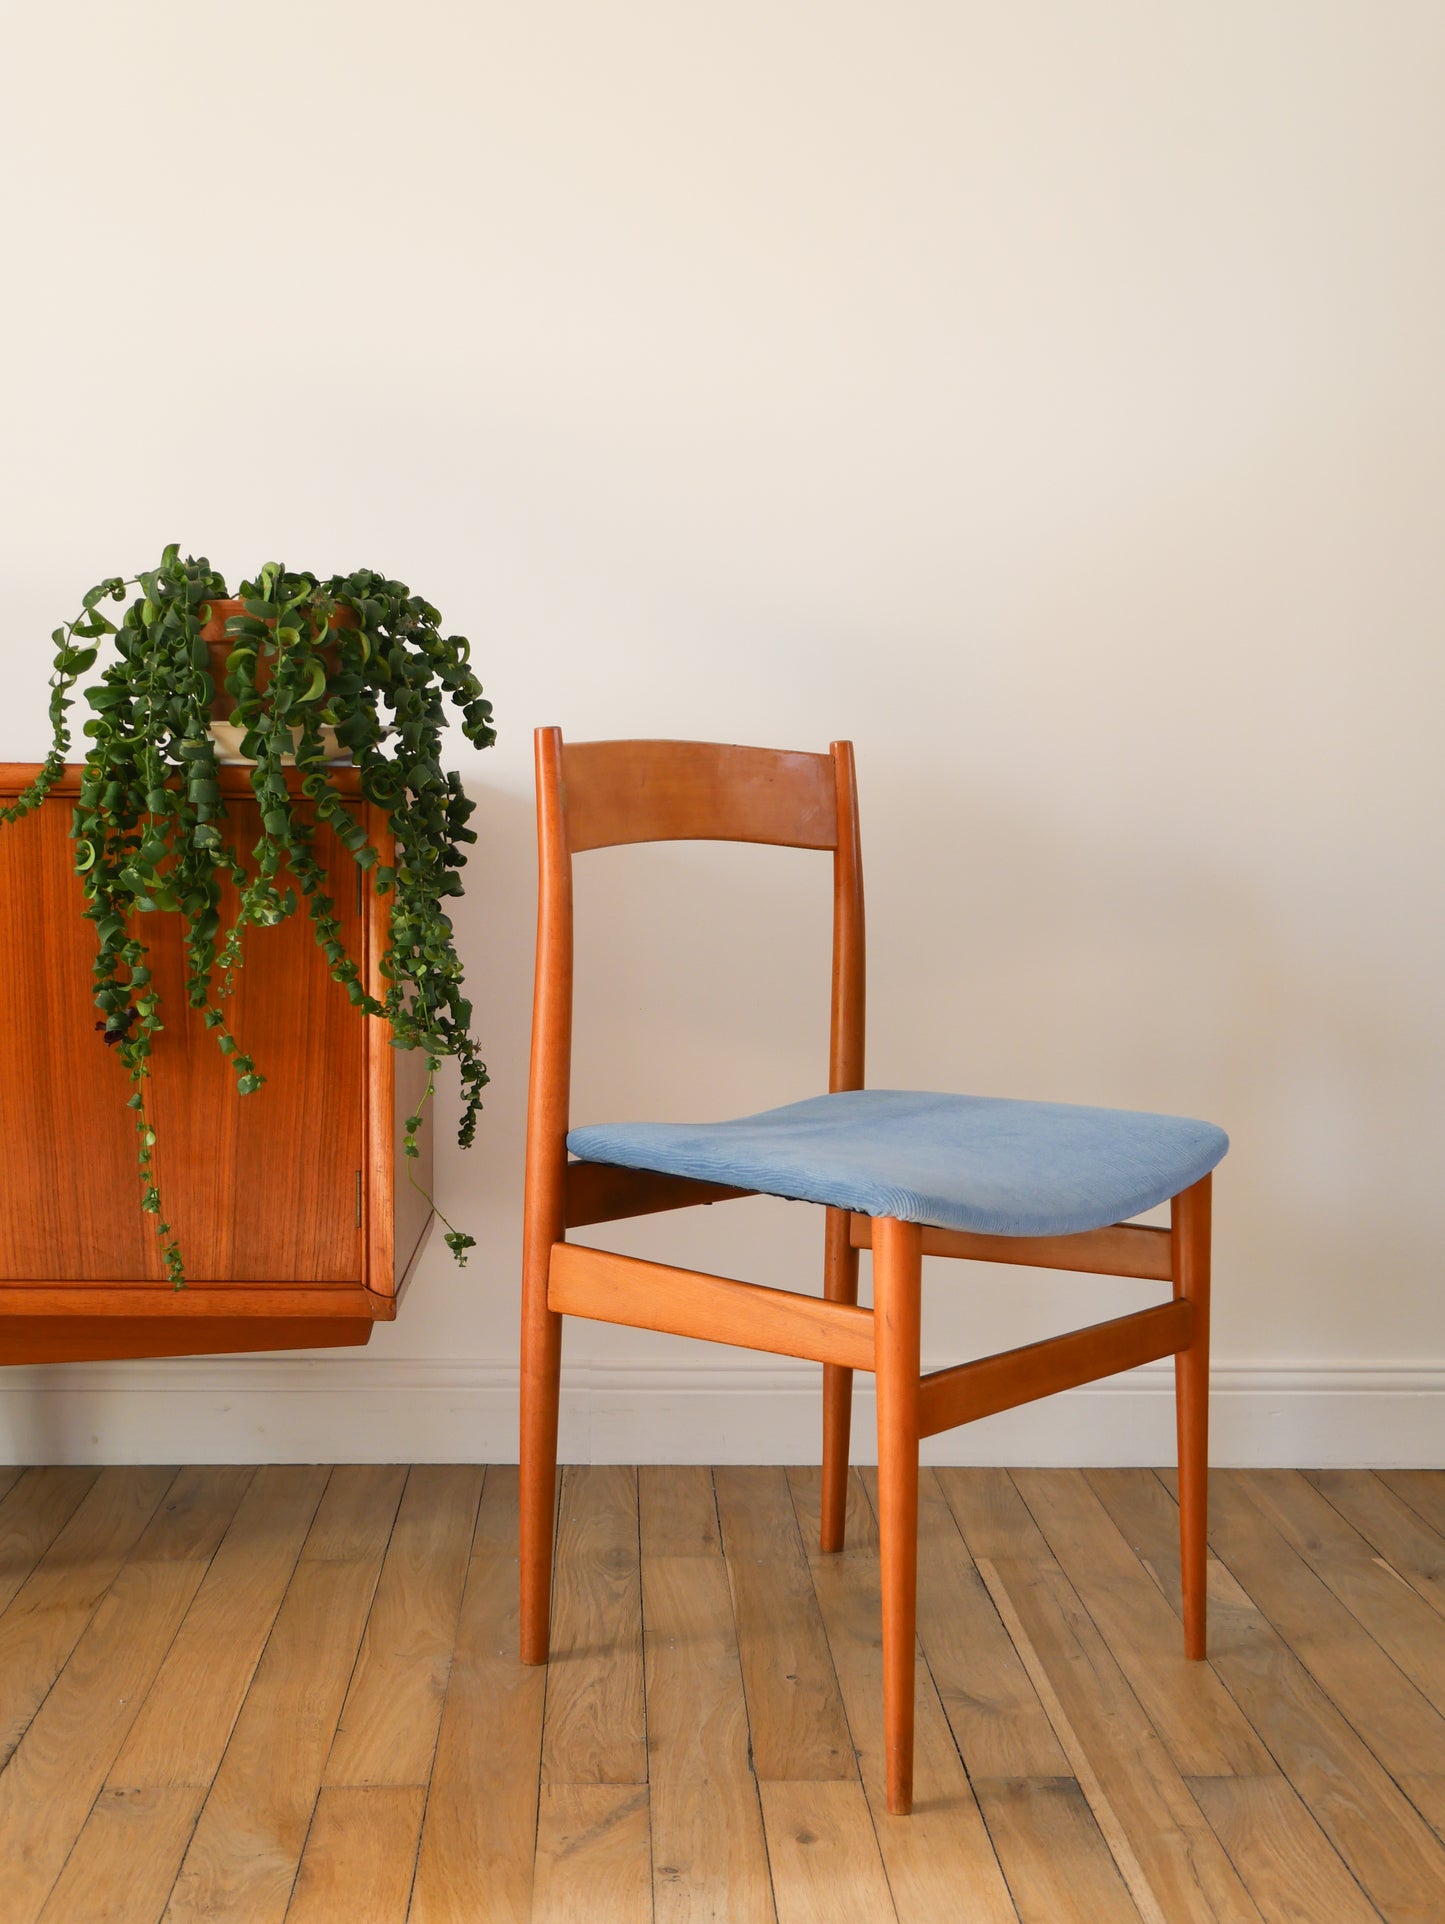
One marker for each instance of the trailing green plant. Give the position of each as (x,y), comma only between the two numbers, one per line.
(151,831)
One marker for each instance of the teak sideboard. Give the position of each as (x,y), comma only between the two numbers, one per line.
(292,1206)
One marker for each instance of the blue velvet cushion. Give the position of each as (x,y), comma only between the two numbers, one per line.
(959,1162)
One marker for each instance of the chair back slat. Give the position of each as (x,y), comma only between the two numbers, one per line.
(662,791)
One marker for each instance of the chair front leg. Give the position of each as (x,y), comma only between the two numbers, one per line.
(1190,1226)
(537,1476)
(897,1290)
(840,1285)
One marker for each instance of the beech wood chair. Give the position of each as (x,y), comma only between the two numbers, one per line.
(902,1173)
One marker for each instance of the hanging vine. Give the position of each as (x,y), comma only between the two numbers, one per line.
(357,655)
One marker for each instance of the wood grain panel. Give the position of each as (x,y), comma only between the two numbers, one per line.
(689,1302)
(74,1335)
(497,1522)
(992,1517)
(1406,1626)
(661,791)
(860,1525)
(1123,1249)
(246,1183)
(1423,1490)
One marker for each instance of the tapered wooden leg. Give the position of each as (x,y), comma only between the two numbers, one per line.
(840,1285)
(897,1287)
(537,1481)
(1190,1236)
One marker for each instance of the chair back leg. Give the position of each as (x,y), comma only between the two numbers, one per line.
(1190,1242)
(537,1479)
(897,1289)
(840,1285)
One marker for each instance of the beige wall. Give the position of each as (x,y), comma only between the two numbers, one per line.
(1049,397)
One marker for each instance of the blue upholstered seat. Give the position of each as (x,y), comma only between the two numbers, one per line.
(960,1162)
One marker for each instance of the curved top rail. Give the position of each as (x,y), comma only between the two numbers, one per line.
(666,791)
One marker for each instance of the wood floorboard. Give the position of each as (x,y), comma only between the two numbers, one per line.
(1053,1853)
(795,1712)
(944,1847)
(292,1695)
(1385,1706)
(1280,1851)
(593,1728)
(1404,1624)
(50,1611)
(388,1727)
(824,1854)
(709,1858)
(594,1855)
(677,1507)
(243,1858)
(126,1858)
(1399,1536)
(1203,1729)
(60,1764)
(35,1509)
(359,1855)
(1422,1490)
(1372,1825)
(479,1835)
(1174,1866)
(186,1720)
(993,1710)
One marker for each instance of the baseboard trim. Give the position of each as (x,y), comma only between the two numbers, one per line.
(371,1408)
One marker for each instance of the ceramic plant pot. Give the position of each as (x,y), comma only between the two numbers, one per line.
(226,735)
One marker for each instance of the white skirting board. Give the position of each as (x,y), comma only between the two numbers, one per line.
(290,1409)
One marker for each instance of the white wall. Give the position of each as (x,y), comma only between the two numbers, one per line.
(1047,396)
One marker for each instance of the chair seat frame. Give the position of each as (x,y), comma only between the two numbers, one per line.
(595,794)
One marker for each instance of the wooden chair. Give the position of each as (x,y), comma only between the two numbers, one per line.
(904,1174)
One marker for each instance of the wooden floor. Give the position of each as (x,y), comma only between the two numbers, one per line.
(292,1693)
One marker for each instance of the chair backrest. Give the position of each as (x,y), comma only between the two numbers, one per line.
(600,794)
(616,792)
